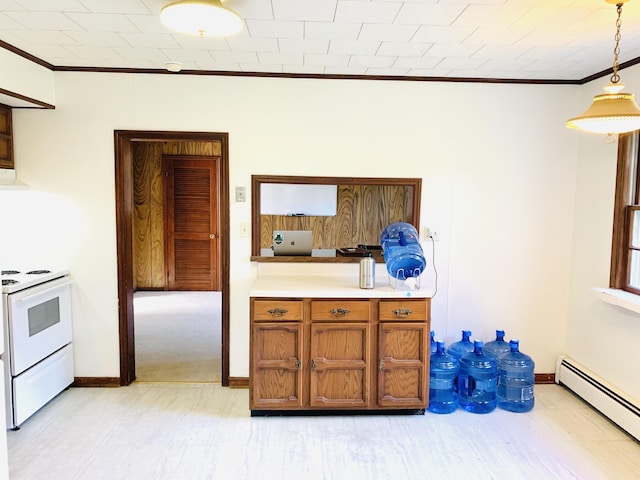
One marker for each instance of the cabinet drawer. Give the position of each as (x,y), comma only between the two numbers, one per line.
(403,310)
(272,310)
(340,310)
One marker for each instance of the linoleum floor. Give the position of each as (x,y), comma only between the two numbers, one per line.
(205,431)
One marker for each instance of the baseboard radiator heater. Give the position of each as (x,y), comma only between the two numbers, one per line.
(620,409)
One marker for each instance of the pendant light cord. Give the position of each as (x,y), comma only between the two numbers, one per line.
(615,78)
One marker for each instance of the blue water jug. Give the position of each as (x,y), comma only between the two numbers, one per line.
(402,251)
(477,381)
(443,379)
(515,380)
(498,346)
(432,343)
(459,348)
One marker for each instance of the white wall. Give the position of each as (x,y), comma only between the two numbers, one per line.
(25,78)
(602,337)
(498,169)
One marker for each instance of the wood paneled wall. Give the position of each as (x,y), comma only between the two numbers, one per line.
(148,206)
(363,211)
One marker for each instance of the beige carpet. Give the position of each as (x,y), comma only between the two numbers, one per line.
(178,336)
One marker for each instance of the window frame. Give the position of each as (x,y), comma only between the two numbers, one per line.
(627,201)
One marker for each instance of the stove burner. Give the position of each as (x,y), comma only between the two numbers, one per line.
(38,272)
(10,272)
(8,281)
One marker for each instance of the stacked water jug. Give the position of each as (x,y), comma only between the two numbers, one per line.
(479,377)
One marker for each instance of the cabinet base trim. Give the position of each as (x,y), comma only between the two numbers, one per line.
(281,413)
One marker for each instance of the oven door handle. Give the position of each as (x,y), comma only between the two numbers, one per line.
(29,297)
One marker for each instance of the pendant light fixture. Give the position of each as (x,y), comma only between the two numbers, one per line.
(201,17)
(614,111)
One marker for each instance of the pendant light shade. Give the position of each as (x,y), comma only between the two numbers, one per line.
(201,17)
(614,111)
(611,112)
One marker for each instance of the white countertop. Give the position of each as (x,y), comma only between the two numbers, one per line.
(327,286)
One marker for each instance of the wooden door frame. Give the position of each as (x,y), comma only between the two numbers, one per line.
(124,237)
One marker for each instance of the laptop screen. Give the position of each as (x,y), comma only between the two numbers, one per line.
(292,242)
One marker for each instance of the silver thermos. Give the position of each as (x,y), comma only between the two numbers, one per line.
(367,272)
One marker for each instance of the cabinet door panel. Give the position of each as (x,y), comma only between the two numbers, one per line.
(340,367)
(404,310)
(403,365)
(276,368)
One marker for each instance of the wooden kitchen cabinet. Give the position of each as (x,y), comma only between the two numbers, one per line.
(277,350)
(6,138)
(339,354)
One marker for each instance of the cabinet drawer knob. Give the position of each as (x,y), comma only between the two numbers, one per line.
(403,312)
(340,312)
(277,312)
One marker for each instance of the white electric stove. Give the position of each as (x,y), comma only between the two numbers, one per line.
(38,354)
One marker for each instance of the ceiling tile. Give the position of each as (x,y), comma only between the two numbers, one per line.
(150,40)
(354,47)
(94,52)
(235,57)
(490,15)
(131,53)
(45,37)
(275,29)
(432,34)
(103,22)
(372,61)
(401,49)
(50,5)
(44,20)
(275,58)
(429,14)
(366,12)
(326,60)
(98,39)
(303,46)
(417,62)
(253,44)
(331,31)
(117,6)
(387,33)
(307,10)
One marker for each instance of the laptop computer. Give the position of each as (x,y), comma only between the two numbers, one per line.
(292,242)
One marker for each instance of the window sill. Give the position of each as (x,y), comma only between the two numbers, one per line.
(620,298)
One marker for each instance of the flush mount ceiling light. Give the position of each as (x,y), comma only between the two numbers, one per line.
(201,17)
(611,112)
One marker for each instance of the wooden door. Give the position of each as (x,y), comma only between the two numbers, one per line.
(191,233)
(276,365)
(403,366)
(340,366)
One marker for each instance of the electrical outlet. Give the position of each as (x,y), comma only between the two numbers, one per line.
(430,234)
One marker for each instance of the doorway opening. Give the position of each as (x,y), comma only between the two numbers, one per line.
(178,336)
(129,259)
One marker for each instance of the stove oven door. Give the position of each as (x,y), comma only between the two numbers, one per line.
(39,322)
